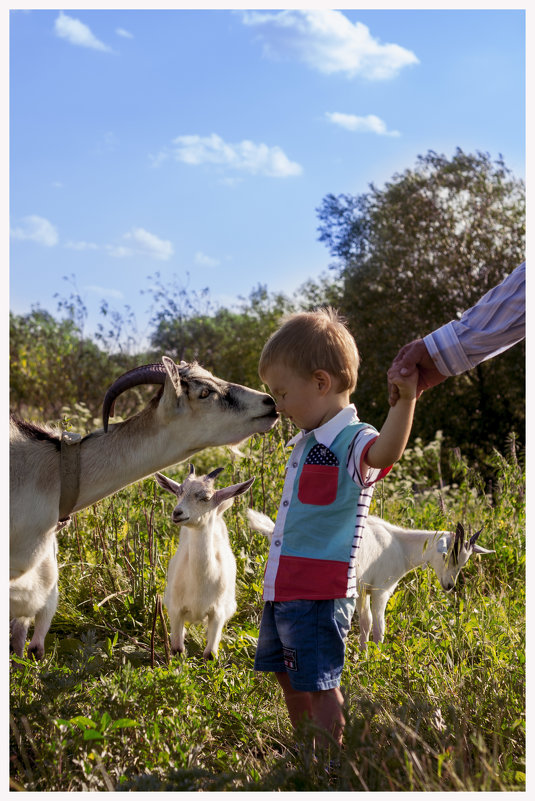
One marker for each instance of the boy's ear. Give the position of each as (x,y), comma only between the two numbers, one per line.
(323,381)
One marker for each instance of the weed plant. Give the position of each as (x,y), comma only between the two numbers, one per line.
(438,707)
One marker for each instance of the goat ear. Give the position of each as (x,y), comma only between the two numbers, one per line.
(167,483)
(173,371)
(230,492)
(480,549)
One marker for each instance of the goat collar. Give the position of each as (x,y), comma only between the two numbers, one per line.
(69,474)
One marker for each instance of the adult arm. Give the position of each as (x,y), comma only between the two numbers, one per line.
(494,324)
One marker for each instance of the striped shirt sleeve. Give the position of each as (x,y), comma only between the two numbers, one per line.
(360,472)
(494,324)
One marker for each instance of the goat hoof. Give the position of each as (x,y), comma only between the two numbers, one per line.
(37,651)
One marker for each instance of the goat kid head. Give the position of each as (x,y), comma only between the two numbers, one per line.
(452,552)
(197,496)
(215,412)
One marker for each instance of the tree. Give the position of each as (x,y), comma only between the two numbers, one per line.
(413,256)
(228,343)
(52,365)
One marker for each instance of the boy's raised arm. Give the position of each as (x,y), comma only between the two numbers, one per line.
(393,437)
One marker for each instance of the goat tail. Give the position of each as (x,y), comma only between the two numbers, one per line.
(260,522)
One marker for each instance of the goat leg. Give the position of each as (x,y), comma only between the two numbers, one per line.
(365,618)
(379,602)
(43,619)
(177,633)
(216,621)
(19,631)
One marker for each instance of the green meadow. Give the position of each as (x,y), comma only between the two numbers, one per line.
(439,706)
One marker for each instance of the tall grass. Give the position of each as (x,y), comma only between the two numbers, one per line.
(438,707)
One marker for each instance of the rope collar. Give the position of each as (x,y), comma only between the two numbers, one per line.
(69,474)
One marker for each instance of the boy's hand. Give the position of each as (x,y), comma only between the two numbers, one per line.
(413,358)
(406,386)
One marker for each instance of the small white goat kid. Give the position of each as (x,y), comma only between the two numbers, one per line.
(201,577)
(386,554)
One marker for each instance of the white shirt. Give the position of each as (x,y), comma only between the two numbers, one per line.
(494,324)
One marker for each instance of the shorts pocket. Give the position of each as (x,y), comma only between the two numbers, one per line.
(318,484)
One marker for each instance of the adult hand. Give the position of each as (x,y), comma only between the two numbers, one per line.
(411,357)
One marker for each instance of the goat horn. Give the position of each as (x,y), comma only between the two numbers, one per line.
(459,533)
(215,472)
(474,537)
(145,374)
(191,470)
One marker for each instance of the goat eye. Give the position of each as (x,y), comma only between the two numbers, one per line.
(204,393)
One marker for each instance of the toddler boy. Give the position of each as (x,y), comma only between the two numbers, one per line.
(310,365)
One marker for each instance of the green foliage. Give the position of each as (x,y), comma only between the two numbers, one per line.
(228,343)
(438,707)
(53,367)
(413,256)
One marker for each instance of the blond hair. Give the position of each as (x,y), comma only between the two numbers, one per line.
(317,340)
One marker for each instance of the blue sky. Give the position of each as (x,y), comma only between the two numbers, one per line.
(198,144)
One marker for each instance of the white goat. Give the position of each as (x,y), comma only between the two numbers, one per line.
(386,554)
(192,411)
(201,577)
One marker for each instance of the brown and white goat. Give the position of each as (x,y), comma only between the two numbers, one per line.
(193,410)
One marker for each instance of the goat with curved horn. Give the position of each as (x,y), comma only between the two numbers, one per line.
(193,410)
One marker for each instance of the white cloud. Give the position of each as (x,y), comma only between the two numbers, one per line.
(119,251)
(204,260)
(123,33)
(142,243)
(245,156)
(77,33)
(326,40)
(369,124)
(36,229)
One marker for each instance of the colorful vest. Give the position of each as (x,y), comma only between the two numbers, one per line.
(320,523)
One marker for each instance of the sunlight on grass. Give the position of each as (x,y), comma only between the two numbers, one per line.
(438,707)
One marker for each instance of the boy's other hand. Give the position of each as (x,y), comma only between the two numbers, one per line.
(414,361)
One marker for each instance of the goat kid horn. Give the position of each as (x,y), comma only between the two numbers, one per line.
(145,374)
(459,534)
(215,473)
(474,537)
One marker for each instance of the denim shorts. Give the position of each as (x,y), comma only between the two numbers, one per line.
(305,639)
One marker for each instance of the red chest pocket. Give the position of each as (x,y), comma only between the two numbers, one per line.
(319,478)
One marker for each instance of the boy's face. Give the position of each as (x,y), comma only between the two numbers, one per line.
(301,399)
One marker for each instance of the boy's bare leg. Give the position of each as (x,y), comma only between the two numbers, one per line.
(324,707)
(298,703)
(327,712)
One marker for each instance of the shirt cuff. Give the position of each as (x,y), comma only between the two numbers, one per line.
(446,351)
